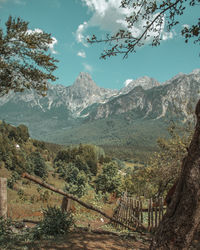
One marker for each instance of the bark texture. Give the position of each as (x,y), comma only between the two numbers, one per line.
(183,213)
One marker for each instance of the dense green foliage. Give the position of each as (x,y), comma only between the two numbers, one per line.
(15,154)
(84,157)
(110,180)
(24,61)
(84,165)
(4,227)
(76,180)
(77,165)
(163,168)
(18,134)
(55,222)
(124,138)
(39,166)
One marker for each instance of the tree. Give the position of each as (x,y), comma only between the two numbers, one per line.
(40,167)
(24,62)
(156,178)
(183,213)
(110,179)
(76,180)
(164,166)
(152,16)
(85,157)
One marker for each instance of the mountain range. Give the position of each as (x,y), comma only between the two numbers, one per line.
(85,113)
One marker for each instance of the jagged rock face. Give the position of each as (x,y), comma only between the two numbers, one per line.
(66,107)
(84,92)
(74,98)
(175,96)
(145,82)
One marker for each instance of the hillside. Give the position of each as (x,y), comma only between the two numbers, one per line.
(133,117)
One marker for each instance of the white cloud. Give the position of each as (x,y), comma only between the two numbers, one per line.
(79,33)
(87,67)
(81,54)
(126,83)
(34,31)
(108,16)
(51,46)
(186,26)
(167,35)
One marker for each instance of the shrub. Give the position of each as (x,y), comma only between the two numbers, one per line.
(12,180)
(55,222)
(40,168)
(5,227)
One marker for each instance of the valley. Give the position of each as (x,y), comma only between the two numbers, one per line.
(134,116)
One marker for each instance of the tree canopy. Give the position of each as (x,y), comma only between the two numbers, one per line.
(24,58)
(152,18)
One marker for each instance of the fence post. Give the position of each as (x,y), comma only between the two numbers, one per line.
(3,197)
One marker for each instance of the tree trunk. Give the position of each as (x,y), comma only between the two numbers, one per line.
(183,213)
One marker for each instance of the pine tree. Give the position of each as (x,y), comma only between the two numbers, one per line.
(24,59)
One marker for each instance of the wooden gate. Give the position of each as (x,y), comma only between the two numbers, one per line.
(148,213)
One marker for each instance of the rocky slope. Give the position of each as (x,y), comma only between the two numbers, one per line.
(145,82)
(72,114)
(174,97)
(74,98)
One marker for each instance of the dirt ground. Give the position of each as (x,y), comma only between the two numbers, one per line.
(89,241)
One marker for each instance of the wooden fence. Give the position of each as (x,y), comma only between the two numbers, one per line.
(130,213)
(147,212)
(3,197)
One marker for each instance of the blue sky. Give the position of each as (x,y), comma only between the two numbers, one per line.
(71,21)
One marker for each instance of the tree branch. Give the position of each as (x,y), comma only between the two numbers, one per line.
(59,191)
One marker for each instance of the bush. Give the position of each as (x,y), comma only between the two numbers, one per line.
(5,227)
(55,222)
(76,180)
(40,168)
(12,180)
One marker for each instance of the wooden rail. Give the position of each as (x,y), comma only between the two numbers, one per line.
(59,191)
(129,207)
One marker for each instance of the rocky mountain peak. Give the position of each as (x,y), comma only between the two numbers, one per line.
(145,82)
(84,80)
(84,75)
(196,71)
